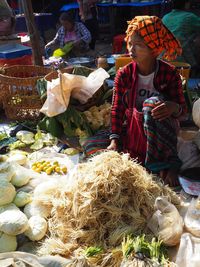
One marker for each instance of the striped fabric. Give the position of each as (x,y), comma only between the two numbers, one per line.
(156,36)
(96,143)
(161,151)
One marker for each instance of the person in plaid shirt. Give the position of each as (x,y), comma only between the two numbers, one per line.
(148,99)
(71,31)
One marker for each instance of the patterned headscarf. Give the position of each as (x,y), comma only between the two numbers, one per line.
(155,35)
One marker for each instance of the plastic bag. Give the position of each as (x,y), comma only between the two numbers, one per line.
(192,217)
(188,254)
(60,52)
(24,259)
(196,112)
(81,88)
(166,223)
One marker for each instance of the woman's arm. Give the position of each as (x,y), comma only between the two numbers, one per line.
(84,33)
(175,105)
(118,107)
(54,41)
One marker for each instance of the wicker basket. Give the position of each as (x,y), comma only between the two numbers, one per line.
(18,91)
(92,101)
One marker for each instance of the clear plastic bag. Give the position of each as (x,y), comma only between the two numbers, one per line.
(166,223)
(188,254)
(192,217)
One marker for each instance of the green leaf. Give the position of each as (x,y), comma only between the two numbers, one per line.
(93,251)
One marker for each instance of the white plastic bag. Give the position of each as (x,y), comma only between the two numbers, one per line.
(79,87)
(192,217)
(58,96)
(166,223)
(83,92)
(196,112)
(188,254)
(188,153)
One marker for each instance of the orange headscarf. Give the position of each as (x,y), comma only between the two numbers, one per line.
(155,35)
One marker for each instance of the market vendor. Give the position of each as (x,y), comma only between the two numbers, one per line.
(185,26)
(71,33)
(148,99)
(7,19)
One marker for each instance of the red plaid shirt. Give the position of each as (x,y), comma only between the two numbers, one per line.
(166,81)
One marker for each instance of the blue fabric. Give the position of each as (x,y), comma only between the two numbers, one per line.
(75,5)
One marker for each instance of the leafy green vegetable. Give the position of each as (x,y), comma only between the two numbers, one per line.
(93,251)
(17,144)
(132,246)
(52,126)
(72,119)
(3,135)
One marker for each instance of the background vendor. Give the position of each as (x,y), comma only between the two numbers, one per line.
(7,19)
(71,32)
(185,26)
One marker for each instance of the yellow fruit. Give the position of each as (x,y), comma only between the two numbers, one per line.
(64,169)
(55,163)
(34,164)
(38,170)
(34,168)
(49,171)
(45,168)
(38,164)
(57,169)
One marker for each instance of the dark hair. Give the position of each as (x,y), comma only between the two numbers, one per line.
(67,17)
(180,4)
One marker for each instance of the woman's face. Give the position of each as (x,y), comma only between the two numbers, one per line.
(138,50)
(67,25)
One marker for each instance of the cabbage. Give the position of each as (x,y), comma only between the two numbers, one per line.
(37,145)
(37,228)
(18,158)
(26,137)
(21,177)
(70,151)
(10,206)
(3,158)
(7,243)
(6,171)
(36,209)
(13,222)
(7,192)
(22,198)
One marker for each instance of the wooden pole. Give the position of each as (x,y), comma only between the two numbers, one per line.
(33,32)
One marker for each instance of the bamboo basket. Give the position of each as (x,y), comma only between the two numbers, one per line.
(92,101)
(19,95)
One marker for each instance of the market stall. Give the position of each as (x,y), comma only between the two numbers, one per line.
(65,200)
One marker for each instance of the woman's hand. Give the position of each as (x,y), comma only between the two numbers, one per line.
(113,145)
(164,110)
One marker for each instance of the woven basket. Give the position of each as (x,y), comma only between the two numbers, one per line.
(18,91)
(91,102)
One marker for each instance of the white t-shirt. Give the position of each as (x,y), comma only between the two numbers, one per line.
(145,89)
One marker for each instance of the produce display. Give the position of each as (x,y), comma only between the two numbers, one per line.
(108,198)
(46,166)
(21,212)
(107,211)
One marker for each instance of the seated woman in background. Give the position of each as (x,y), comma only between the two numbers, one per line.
(7,19)
(75,34)
(148,98)
(186,28)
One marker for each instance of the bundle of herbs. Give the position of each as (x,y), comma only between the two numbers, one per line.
(109,197)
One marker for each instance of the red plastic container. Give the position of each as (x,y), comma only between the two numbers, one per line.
(24,60)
